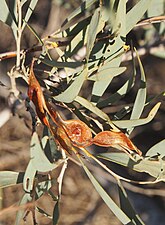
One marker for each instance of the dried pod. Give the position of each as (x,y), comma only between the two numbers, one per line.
(78,132)
(113,139)
(36,96)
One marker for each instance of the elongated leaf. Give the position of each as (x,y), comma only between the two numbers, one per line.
(8,178)
(104,78)
(56,213)
(29,12)
(8,16)
(86,4)
(127,207)
(50,147)
(157,150)
(107,74)
(34,33)
(98,90)
(92,32)
(72,91)
(117,95)
(119,25)
(152,167)
(156,8)
(136,13)
(38,159)
(90,106)
(140,97)
(111,52)
(25,199)
(107,199)
(137,122)
(57,64)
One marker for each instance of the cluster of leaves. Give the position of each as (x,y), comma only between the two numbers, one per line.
(100,28)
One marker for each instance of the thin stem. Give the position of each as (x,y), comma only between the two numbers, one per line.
(116,176)
(61,176)
(19,33)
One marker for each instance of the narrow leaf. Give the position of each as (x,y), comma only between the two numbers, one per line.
(136,13)
(152,167)
(92,32)
(107,74)
(25,199)
(119,25)
(56,213)
(127,207)
(118,95)
(107,199)
(157,150)
(29,12)
(99,88)
(57,64)
(137,122)
(140,100)
(8,16)
(8,178)
(72,91)
(84,6)
(38,159)
(90,106)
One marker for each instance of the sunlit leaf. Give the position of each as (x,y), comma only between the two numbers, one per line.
(25,199)
(29,12)
(140,100)
(156,8)
(39,160)
(99,88)
(72,91)
(157,150)
(152,167)
(136,13)
(137,122)
(127,207)
(104,52)
(118,94)
(86,4)
(58,64)
(90,106)
(8,15)
(119,25)
(8,178)
(92,32)
(107,74)
(107,199)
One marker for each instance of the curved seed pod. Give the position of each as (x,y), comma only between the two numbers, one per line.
(78,132)
(63,140)
(112,139)
(36,96)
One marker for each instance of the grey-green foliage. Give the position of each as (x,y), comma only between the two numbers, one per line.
(102,30)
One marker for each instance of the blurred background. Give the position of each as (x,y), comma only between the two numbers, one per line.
(80,203)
